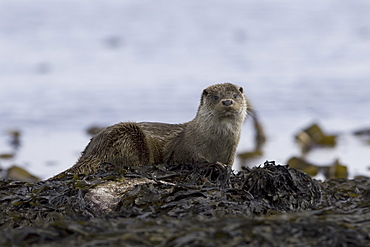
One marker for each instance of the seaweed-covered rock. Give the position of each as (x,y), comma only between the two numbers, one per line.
(199,187)
(187,205)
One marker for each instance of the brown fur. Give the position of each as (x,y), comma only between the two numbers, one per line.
(212,136)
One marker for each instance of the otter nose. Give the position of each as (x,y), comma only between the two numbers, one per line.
(227,102)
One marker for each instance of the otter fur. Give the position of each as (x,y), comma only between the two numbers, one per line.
(212,136)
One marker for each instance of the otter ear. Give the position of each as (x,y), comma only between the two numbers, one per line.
(204,94)
(241,89)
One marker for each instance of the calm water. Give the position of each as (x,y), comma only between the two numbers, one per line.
(65,65)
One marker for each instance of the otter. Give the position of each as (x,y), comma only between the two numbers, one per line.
(212,136)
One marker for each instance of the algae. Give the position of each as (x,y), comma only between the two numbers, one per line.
(189,205)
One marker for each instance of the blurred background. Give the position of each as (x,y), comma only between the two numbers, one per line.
(66,65)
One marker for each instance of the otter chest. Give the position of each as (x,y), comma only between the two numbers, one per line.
(220,147)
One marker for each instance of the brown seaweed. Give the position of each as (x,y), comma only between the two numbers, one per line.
(314,136)
(190,205)
(333,170)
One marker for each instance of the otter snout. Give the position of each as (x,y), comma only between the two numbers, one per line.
(227,102)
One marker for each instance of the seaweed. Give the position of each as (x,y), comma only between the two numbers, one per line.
(333,170)
(314,136)
(188,205)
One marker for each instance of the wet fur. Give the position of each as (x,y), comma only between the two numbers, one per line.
(212,136)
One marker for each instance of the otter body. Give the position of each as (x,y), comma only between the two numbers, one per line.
(212,136)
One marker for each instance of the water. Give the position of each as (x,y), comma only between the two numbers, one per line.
(65,65)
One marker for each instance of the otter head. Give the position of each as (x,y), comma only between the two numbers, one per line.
(223,100)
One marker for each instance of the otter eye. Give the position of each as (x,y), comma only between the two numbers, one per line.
(235,96)
(215,97)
